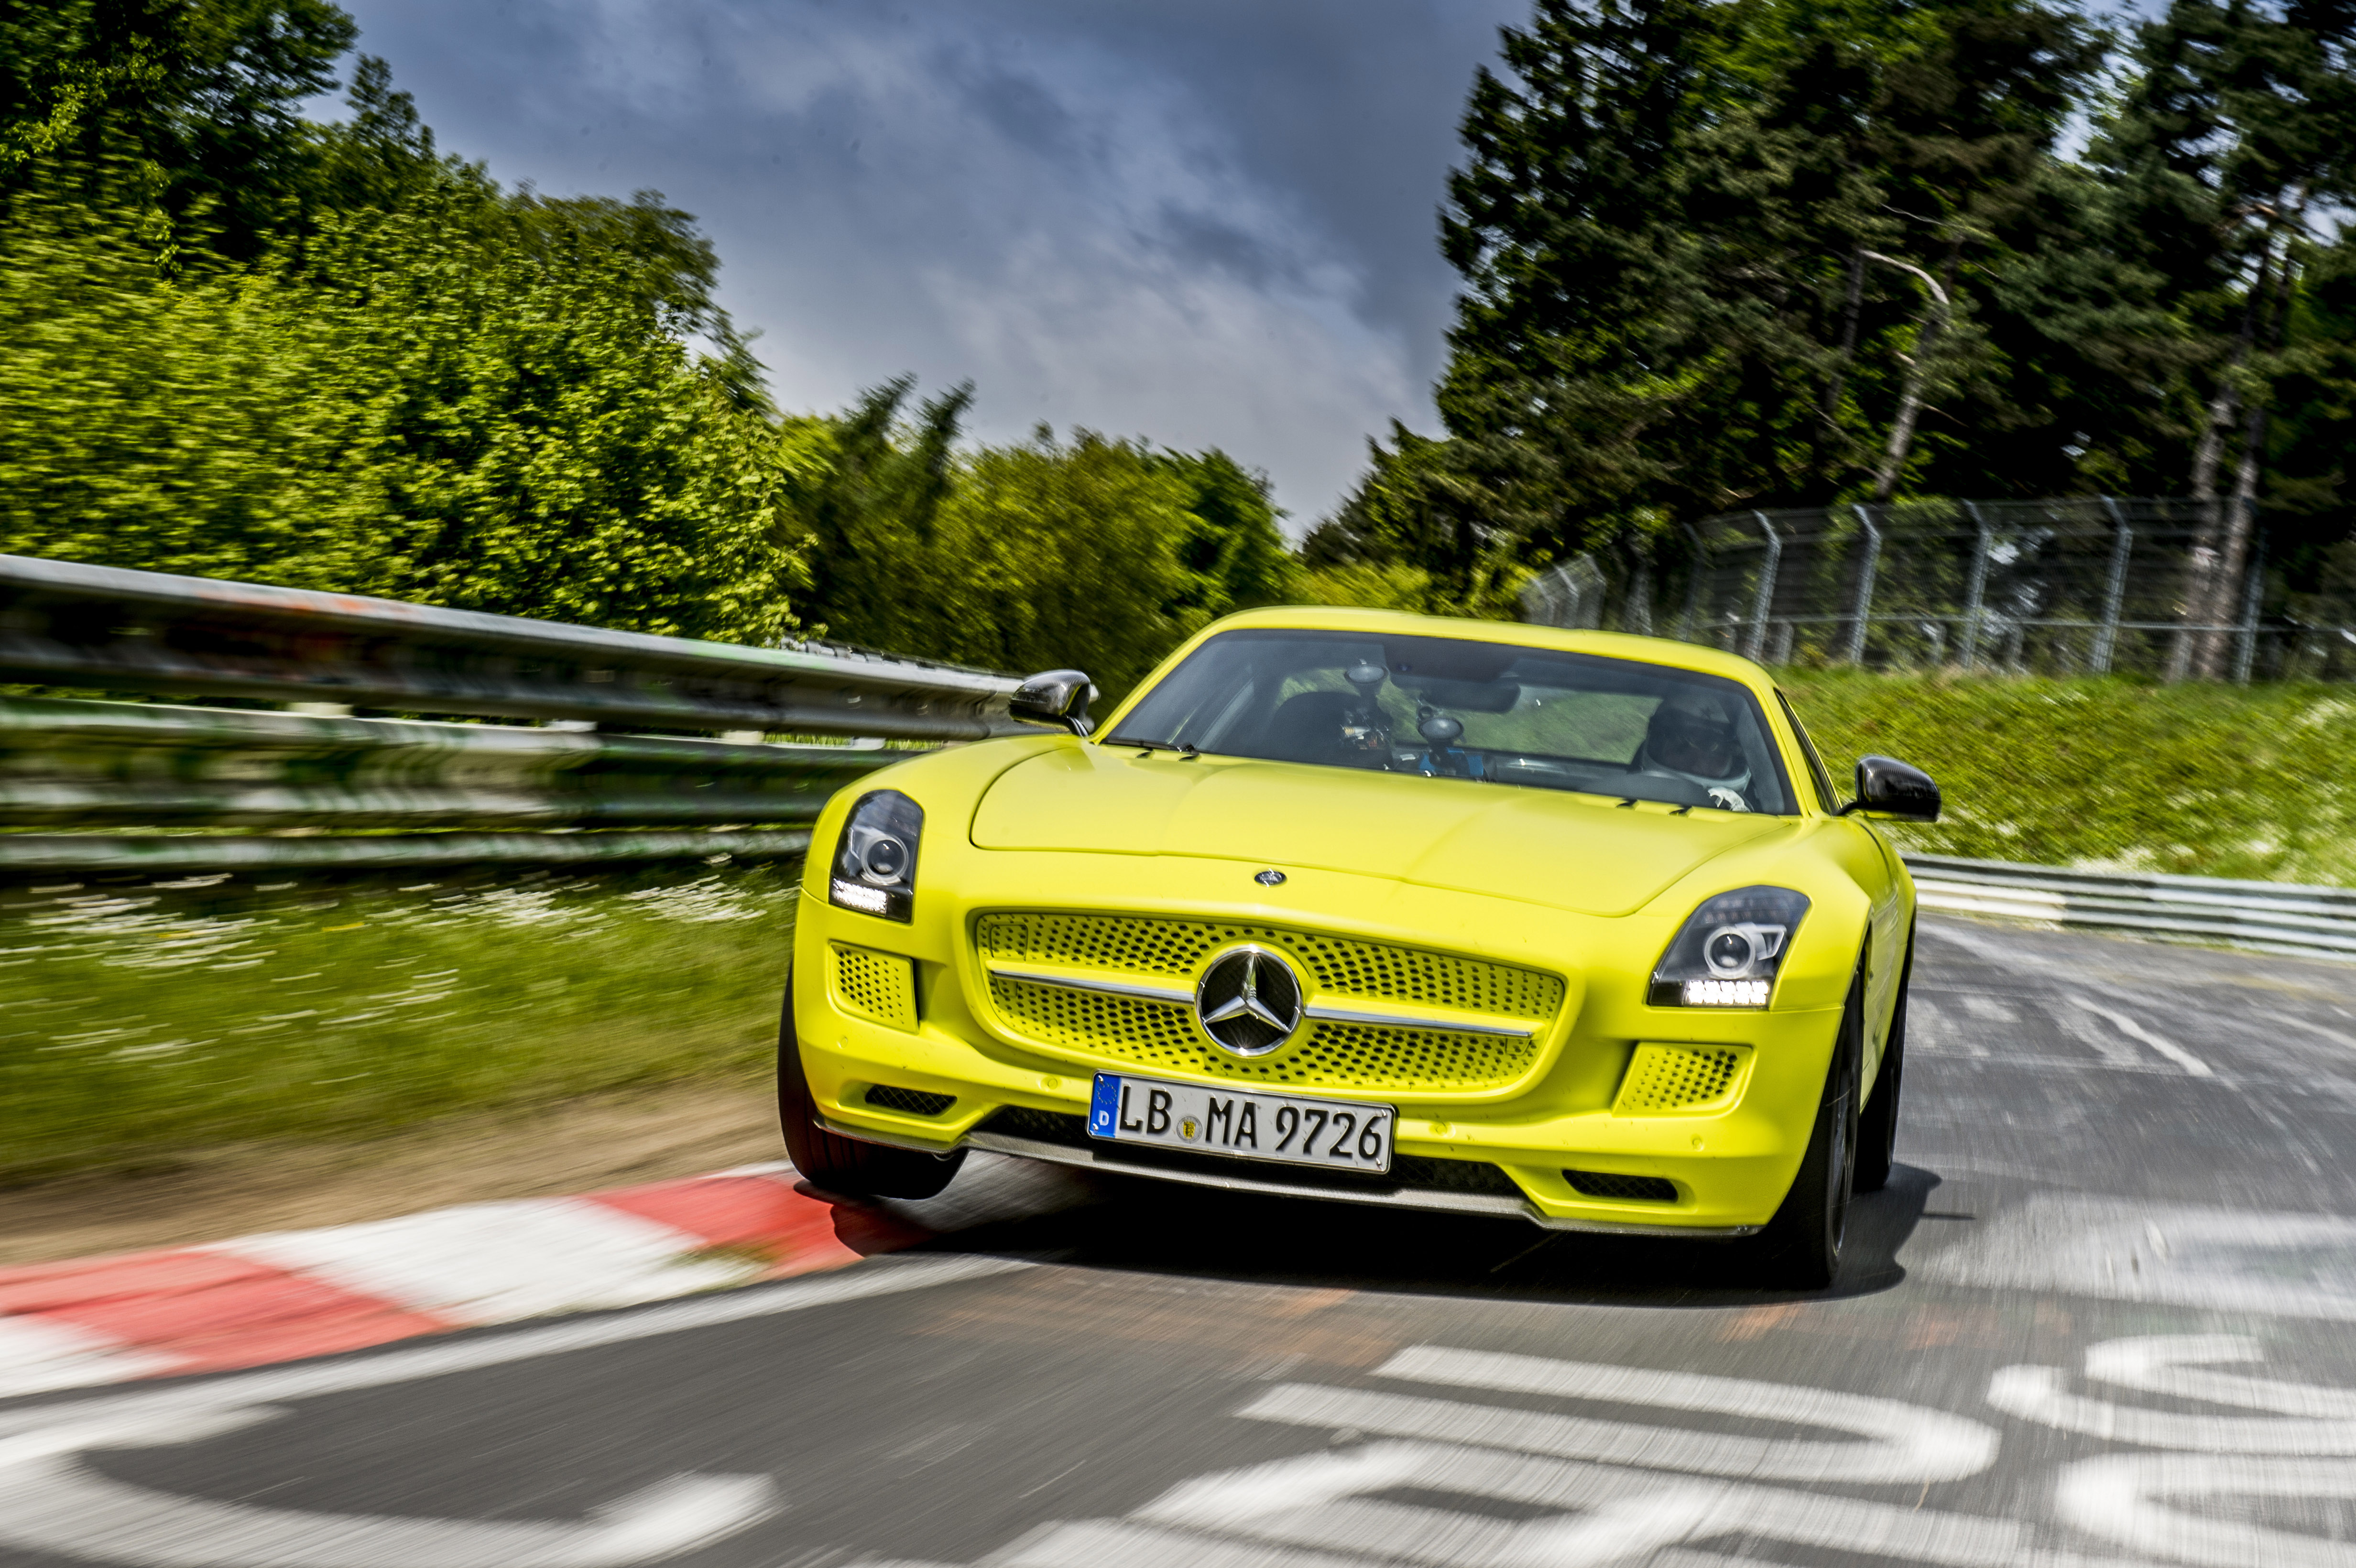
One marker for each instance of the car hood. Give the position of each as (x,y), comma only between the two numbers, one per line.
(1546,847)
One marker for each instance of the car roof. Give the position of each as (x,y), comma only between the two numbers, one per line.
(1399,623)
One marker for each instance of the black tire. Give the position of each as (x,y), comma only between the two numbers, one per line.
(1802,1245)
(1877,1126)
(846,1167)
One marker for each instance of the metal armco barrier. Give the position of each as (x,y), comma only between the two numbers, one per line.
(63,623)
(68,764)
(576,793)
(41,854)
(2272,917)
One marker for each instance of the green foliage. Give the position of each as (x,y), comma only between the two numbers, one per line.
(1703,242)
(146,1019)
(188,108)
(2198,780)
(1096,554)
(486,404)
(248,346)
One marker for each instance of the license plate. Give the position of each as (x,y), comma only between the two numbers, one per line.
(1333,1134)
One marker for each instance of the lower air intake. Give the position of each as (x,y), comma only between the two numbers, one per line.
(915,1102)
(1631,1188)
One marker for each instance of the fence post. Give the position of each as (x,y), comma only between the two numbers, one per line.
(2115,591)
(1977,589)
(1862,612)
(2252,588)
(1766,597)
(1692,585)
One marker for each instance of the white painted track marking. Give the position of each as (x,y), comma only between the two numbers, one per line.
(1904,1442)
(2124,1496)
(493,1263)
(2172,1364)
(38,1354)
(2118,1496)
(2134,1030)
(2042,1394)
(50,1503)
(2088,1030)
(2269,1264)
(1325,1501)
(1109,1544)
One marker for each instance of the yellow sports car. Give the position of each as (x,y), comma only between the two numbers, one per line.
(1440,914)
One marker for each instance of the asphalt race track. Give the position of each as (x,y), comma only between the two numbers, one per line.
(2106,1314)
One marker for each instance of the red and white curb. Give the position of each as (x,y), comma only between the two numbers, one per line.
(290,1294)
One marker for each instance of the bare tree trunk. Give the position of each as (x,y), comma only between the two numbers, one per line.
(2223,598)
(1918,373)
(2200,571)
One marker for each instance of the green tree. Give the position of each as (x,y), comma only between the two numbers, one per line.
(187,108)
(503,416)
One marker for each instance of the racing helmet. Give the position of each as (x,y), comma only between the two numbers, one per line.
(1692,736)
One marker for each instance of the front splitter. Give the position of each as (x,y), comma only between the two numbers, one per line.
(1487,1206)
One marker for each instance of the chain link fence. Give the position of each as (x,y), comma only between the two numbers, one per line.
(2078,586)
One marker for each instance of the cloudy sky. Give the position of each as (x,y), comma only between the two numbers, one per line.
(1206,222)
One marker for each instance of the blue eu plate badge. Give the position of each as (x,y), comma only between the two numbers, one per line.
(1104,1105)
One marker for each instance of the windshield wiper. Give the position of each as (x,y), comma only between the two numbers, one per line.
(1147,748)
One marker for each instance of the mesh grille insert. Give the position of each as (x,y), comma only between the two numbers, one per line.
(1680,1078)
(915,1102)
(1636,1189)
(1164,1035)
(880,986)
(1174,949)
(1325,1055)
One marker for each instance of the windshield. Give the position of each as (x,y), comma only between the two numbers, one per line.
(1441,708)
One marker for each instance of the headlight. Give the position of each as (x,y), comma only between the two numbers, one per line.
(1727,955)
(875,860)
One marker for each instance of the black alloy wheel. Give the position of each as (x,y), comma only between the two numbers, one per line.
(1801,1243)
(847,1168)
(1877,1127)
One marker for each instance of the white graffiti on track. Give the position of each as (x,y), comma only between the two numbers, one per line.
(2136,1499)
(1602,1491)
(52,1500)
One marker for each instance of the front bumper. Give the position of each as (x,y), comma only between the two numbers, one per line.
(1729,1167)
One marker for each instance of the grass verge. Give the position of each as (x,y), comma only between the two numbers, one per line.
(146,1017)
(2252,782)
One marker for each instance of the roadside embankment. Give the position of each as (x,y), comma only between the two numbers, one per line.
(146,1017)
(2249,781)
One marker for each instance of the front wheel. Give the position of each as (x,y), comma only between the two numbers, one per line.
(1877,1127)
(838,1164)
(1803,1242)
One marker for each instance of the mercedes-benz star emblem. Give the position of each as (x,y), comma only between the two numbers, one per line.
(1269,879)
(1248,1000)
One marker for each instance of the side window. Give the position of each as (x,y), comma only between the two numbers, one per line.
(1824,791)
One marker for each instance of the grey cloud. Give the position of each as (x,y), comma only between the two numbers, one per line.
(1202,221)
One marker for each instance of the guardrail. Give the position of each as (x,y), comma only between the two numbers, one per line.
(64,623)
(2271,917)
(576,793)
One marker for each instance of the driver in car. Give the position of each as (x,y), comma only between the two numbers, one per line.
(1691,737)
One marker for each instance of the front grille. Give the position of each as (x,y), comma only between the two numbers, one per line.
(1174,949)
(1413,1172)
(1636,1189)
(915,1102)
(1679,1078)
(1162,1035)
